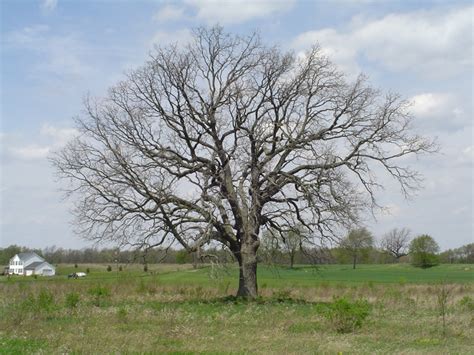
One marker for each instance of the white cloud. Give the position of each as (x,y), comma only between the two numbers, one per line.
(237,11)
(59,136)
(30,152)
(48,5)
(439,111)
(169,13)
(60,55)
(50,138)
(164,38)
(432,43)
(466,156)
(425,104)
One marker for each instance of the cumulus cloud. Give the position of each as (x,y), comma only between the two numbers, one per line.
(237,11)
(439,111)
(433,43)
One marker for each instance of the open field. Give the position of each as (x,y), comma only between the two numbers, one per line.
(175,308)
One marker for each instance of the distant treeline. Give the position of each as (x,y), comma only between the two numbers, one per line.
(464,254)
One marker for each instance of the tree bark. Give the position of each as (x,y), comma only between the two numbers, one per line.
(247,259)
(354,261)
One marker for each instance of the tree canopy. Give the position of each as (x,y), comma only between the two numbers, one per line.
(355,242)
(423,251)
(223,138)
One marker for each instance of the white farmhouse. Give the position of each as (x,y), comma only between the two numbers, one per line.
(30,264)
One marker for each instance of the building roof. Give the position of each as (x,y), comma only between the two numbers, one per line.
(29,255)
(36,264)
(33,266)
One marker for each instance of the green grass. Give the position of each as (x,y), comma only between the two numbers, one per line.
(312,276)
(177,309)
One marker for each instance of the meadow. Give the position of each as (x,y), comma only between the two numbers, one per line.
(179,309)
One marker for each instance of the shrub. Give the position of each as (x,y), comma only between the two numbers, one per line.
(442,294)
(120,268)
(109,268)
(72,300)
(345,316)
(75,266)
(145,268)
(181,257)
(100,294)
(122,314)
(467,303)
(45,301)
(88,270)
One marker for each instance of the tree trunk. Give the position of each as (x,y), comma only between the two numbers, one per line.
(354,261)
(292,260)
(247,259)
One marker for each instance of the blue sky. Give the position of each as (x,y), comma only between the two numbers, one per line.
(53,53)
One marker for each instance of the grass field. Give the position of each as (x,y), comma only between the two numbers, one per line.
(178,309)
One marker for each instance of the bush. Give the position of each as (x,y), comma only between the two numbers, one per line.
(100,294)
(109,268)
(120,268)
(181,257)
(88,270)
(345,316)
(467,303)
(442,294)
(45,301)
(72,300)
(122,314)
(34,307)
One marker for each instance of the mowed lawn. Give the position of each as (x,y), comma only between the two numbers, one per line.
(178,309)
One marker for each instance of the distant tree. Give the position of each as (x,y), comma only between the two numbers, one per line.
(181,257)
(270,250)
(356,241)
(463,254)
(423,251)
(396,242)
(7,253)
(293,242)
(284,245)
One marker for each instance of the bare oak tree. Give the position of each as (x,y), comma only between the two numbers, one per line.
(224,138)
(396,242)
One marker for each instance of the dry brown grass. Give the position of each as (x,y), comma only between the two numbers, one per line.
(146,315)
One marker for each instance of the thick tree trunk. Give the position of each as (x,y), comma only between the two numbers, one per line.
(354,261)
(247,272)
